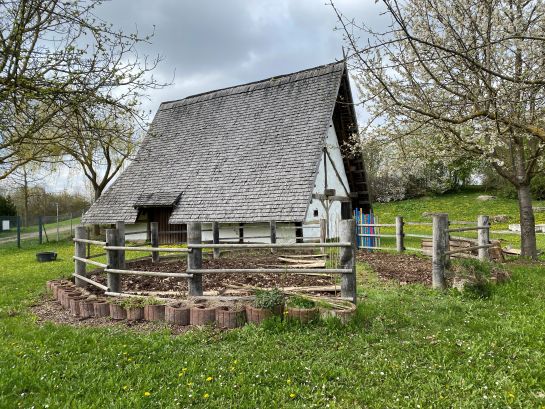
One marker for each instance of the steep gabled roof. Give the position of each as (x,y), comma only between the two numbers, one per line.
(248,153)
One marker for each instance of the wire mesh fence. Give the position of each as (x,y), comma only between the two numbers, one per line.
(14,231)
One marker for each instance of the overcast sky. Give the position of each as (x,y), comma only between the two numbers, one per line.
(210,44)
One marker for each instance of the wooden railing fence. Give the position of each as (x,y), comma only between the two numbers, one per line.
(115,250)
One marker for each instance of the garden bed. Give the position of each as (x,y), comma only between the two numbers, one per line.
(402,268)
(219,282)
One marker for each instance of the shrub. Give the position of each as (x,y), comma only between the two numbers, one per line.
(298,301)
(477,273)
(268,298)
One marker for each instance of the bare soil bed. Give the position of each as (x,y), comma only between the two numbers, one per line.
(403,268)
(219,282)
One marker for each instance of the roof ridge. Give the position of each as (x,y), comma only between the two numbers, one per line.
(276,77)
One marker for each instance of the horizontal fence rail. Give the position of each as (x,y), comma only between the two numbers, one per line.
(115,251)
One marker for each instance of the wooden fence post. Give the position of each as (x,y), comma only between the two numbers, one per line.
(400,235)
(194,258)
(273,233)
(483,237)
(40,230)
(440,242)
(120,226)
(347,259)
(80,250)
(114,280)
(154,241)
(216,238)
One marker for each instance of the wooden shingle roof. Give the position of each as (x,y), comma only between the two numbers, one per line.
(248,153)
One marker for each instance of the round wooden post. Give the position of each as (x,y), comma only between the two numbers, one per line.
(347,259)
(440,241)
(273,233)
(194,258)
(120,226)
(79,251)
(154,240)
(483,237)
(400,236)
(114,280)
(216,238)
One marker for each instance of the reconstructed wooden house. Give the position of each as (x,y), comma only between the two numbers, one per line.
(265,151)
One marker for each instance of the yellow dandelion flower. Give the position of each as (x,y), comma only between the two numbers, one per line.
(288,381)
(293,395)
(147,393)
(209,379)
(205,396)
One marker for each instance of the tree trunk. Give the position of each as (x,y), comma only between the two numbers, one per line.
(96,227)
(527,222)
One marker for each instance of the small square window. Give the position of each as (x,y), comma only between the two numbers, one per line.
(315,212)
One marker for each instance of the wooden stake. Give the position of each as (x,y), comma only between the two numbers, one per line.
(194,259)
(347,259)
(80,251)
(114,280)
(216,238)
(440,245)
(120,226)
(483,237)
(154,241)
(400,246)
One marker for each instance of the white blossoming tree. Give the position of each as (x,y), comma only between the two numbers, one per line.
(457,78)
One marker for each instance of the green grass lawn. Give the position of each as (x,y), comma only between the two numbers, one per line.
(409,347)
(460,207)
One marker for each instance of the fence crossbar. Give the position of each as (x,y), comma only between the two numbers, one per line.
(468,229)
(466,249)
(376,225)
(272,270)
(146,248)
(97,242)
(375,235)
(87,261)
(268,245)
(148,273)
(88,280)
(420,236)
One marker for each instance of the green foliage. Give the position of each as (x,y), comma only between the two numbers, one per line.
(7,207)
(268,298)
(298,301)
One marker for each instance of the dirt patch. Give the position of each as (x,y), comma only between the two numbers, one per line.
(47,310)
(403,268)
(219,282)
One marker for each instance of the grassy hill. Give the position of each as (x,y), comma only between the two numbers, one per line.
(460,207)
(409,347)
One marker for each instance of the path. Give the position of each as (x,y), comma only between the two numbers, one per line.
(52,234)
